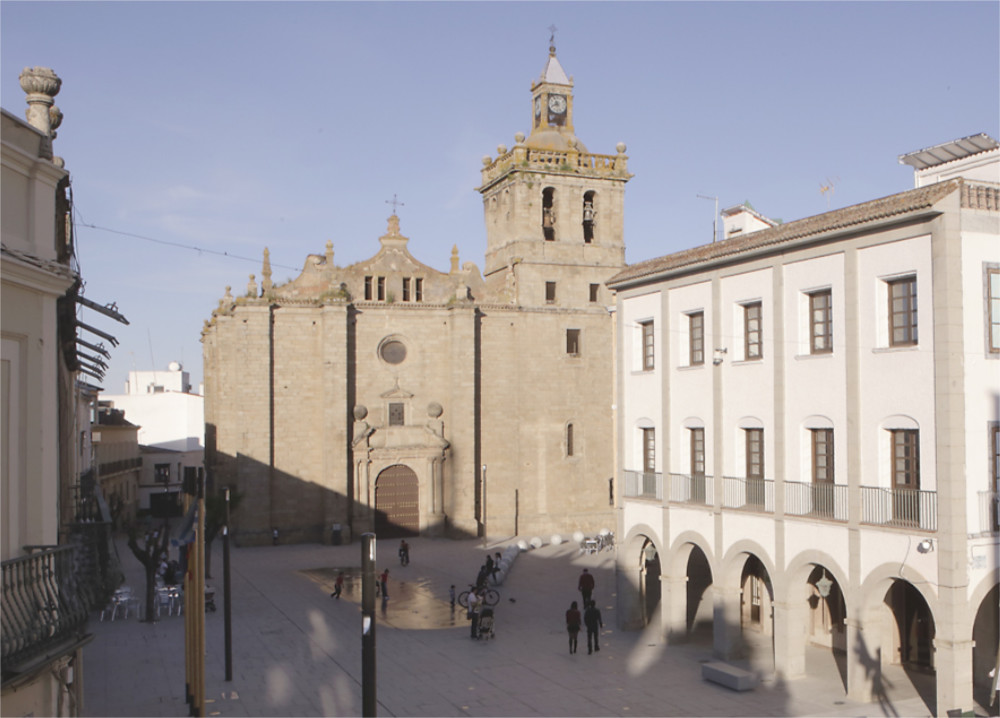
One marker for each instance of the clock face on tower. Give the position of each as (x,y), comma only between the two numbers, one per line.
(557,104)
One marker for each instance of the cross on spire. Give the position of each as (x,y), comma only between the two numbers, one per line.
(395,203)
(552,38)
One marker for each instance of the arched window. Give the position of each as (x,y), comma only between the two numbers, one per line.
(589,216)
(549,214)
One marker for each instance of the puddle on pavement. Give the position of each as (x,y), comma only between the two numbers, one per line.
(412,602)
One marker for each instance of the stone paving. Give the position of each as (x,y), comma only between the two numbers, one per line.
(297,652)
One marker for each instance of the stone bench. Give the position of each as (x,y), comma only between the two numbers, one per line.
(729,676)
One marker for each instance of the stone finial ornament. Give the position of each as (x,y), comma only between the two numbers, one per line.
(621,148)
(519,138)
(41,85)
(329,253)
(454,258)
(360,412)
(252,287)
(434,410)
(265,272)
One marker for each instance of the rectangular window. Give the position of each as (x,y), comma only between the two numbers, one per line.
(596,288)
(368,289)
(648,355)
(696,338)
(903,312)
(821,322)
(550,291)
(822,456)
(569,439)
(573,342)
(993,309)
(161,473)
(418,289)
(906,459)
(752,338)
(396,417)
(649,451)
(755,453)
(406,289)
(381,289)
(697,452)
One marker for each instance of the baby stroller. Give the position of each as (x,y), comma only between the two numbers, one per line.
(486,624)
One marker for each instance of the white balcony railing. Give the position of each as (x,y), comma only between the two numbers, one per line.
(816,500)
(643,485)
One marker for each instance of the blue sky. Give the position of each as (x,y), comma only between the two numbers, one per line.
(234,126)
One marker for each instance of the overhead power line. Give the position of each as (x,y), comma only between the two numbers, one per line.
(181,246)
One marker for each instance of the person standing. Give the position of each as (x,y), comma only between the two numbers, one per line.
(573,625)
(475,606)
(585,586)
(592,619)
(338,585)
(384,581)
(404,553)
(451,596)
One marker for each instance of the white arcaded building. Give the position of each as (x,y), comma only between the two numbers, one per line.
(171,421)
(808,435)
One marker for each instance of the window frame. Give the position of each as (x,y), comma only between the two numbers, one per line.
(406,289)
(550,292)
(396,414)
(753,349)
(368,288)
(754,453)
(380,288)
(595,292)
(648,344)
(992,310)
(696,340)
(648,450)
(697,457)
(822,447)
(903,290)
(905,467)
(821,329)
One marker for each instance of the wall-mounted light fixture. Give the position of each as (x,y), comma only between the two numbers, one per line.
(925,546)
(718,354)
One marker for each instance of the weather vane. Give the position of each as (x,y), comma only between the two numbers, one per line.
(552,37)
(395,203)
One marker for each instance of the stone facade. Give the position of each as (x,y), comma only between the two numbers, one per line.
(390,396)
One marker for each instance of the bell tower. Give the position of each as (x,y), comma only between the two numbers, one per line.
(554,211)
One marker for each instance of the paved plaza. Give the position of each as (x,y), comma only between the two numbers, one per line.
(297,652)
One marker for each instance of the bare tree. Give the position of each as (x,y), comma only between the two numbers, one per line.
(151,554)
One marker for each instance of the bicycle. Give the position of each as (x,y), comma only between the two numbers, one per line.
(491,597)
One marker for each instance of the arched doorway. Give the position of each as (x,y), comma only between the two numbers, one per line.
(986,634)
(913,639)
(699,610)
(397,503)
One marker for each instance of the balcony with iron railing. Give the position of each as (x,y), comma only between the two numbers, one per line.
(891,507)
(989,512)
(43,607)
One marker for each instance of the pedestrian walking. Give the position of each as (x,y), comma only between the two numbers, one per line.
(585,586)
(573,625)
(338,585)
(475,606)
(404,553)
(592,619)
(496,566)
(384,581)
(451,597)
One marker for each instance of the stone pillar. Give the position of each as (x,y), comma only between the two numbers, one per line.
(864,662)
(790,628)
(726,626)
(673,608)
(953,668)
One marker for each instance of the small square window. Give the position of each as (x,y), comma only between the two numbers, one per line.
(594,292)
(573,342)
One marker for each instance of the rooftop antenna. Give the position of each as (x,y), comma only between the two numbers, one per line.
(827,189)
(715,217)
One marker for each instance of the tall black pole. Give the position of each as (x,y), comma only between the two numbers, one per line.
(368,625)
(226,598)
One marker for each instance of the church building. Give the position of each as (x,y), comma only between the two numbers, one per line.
(392,397)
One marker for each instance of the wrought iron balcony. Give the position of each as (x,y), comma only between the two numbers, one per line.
(643,485)
(908,508)
(816,500)
(692,489)
(748,494)
(43,606)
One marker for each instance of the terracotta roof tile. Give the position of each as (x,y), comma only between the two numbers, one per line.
(902,203)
